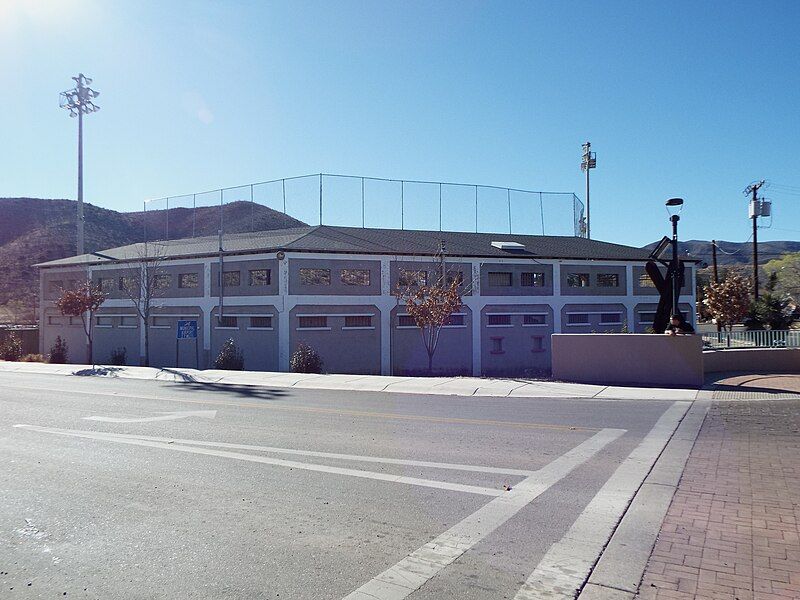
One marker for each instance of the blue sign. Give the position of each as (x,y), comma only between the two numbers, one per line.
(187,330)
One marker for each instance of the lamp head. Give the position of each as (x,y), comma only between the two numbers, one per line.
(674,206)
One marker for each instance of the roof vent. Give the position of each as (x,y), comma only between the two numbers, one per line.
(508,246)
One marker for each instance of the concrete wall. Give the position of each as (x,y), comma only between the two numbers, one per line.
(516,288)
(433,269)
(163,326)
(243,267)
(640,326)
(594,288)
(453,352)
(594,315)
(638,359)
(342,349)
(54,281)
(515,349)
(115,329)
(753,360)
(465,348)
(337,286)
(259,345)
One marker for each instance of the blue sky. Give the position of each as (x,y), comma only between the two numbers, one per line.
(695,99)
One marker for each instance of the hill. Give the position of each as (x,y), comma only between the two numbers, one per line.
(734,253)
(34,230)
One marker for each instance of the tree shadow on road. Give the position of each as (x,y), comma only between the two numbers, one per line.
(243,391)
(98,372)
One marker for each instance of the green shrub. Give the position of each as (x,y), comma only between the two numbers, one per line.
(229,358)
(119,357)
(305,360)
(59,352)
(11,349)
(40,358)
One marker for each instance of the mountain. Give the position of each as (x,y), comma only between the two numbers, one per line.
(34,230)
(732,253)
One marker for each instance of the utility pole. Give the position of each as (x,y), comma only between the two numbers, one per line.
(79,101)
(716,271)
(588,162)
(714,260)
(755,212)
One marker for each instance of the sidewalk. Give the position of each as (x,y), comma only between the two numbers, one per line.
(731,531)
(451,386)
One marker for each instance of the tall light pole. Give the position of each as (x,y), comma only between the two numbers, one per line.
(674,207)
(79,101)
(588,162)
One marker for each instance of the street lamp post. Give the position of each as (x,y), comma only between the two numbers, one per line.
(674,207)
(79,101)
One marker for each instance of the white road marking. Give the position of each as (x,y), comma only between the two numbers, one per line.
(414,571)
(205,414)
(567,564)
(112,437)
(332,455)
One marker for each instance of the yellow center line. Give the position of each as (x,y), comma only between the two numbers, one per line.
(322,410)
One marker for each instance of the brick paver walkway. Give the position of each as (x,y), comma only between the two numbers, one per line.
(732,529)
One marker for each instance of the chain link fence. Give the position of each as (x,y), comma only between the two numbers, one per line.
(353,201)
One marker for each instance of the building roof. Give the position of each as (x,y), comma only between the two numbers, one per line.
(357,240)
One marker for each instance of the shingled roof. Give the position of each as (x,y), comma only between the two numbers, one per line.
(356,240)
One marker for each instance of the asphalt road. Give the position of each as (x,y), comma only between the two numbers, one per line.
(144,489)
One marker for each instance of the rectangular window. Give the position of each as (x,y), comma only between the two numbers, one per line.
(129,284)
(577,319)
(355,276)
(532,279)
(188,280)
(406,321)
(647,318)
(232,279)
(500,279)
(538,343)
(610,318)
(607,280)
(578,280)
(498,320)
(52,320)
(129,321)
(227,321)
(163,281)
(107,284)
(358,321)
(259,277)
(315,276)
(162,322)
(313,322)
(104,321)
(534,319)
(454,320)
(54,286)
(410,278)
(261,322)
(497,346)
(645,281)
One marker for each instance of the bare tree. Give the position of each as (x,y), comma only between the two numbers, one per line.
(143,284)
(431,303)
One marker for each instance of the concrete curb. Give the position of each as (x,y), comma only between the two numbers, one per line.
(619,571)
(442,386)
